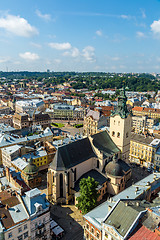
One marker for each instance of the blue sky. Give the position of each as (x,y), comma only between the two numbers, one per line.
(85,35)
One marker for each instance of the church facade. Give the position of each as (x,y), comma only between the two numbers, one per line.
(103,156)
(80,158)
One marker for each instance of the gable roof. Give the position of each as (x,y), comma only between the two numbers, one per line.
(144,233)
(104,143)
(123,216)
(72,154)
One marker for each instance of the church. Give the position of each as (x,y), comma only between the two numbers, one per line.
(103,156)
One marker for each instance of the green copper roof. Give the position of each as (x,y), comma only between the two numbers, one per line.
(30,168)
(104,143)
(122,106)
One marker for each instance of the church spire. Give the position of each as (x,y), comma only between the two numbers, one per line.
(121,109)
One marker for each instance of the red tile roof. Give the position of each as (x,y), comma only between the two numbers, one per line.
(144,233)
(140,109)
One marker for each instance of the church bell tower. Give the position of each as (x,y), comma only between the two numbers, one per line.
(120,125)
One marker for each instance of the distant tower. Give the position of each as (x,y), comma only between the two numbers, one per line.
(120,126)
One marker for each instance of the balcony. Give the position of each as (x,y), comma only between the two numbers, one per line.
(40,226)
(41,233)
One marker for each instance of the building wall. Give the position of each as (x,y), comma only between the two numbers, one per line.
(151,114)
(120,132)
(19,230)
(53,180)
(142,123)
(141,153)
(90,126)
(40,222)
(91,232)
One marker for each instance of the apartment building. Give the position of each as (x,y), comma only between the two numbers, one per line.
(18,155)
(142,111)
(93,121)
(7,119)
(23,120)
(118,217)
(25,106)
(7,140)
(20,120)
(24,216)
(142,123)
(143,149)
(63,111)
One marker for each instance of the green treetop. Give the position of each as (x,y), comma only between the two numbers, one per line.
(88,194)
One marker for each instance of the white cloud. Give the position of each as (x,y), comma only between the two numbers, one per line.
(57,60)
(74,52)
(46,17)
(140,35)
(17,25)
(89,53)
(115,58)
(60,46)
(37,45)
(143,13)
(99,32)
(125,16)
(29,56)
(155,27)
(4,59)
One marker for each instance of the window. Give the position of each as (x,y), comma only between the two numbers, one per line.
(113,134)
(92,230)
(114,122)
(19,229)
(25,226)
(106,235)
(127,135)
(25,235)
(118,134)
(20,237)
(9,235)
(97,234)
(75,173)
(118,123)
(87,226)
(97,163)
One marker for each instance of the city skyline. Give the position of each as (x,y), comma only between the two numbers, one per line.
(109,36)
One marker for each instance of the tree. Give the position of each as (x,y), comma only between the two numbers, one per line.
(88,194)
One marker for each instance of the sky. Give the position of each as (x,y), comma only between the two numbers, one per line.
(84,35)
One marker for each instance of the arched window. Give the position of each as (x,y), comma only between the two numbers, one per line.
(75,173)
(61,184)
(113,134)
(118,134)
(97,163)
(68,179)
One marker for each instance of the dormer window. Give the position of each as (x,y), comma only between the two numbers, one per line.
(38,207)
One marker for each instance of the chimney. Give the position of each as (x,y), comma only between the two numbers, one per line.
(6,207)
(137,204)
(126,203)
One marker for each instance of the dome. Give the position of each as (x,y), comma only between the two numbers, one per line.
(114,169)
(30,168)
